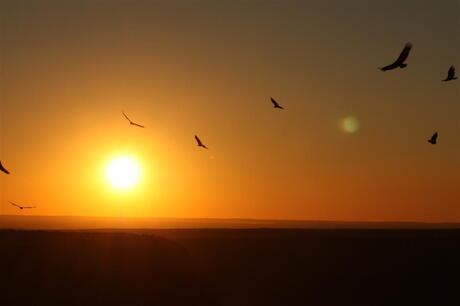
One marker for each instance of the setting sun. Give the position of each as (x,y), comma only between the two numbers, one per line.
(123,172)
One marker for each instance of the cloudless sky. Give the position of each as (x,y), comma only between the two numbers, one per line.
(68,69)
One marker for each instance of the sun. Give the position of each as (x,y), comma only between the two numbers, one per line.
(123,172)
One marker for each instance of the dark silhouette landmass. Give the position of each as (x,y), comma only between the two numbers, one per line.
(234,267)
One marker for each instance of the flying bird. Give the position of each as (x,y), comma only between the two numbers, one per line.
(19,206)
(401,59)
(3,169)
(131,122)
(450,74)
(199,143)
(433,138)
(276,104)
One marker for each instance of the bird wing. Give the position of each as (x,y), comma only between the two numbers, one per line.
(198,141)
(434,137)
(451,72)
(274,102)
(3,169)
(404,54)
(127,118)
(14,204)
(389,67)
(134,123)
(28,207)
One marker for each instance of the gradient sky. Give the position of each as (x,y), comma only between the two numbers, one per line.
(68,69)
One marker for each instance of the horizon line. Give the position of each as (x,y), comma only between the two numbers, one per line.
(234,219)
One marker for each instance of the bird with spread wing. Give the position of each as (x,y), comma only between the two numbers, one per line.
(433,140)
(199,142)
(21,207)
(276,104)
(450,74)
(131,122)
(399,63)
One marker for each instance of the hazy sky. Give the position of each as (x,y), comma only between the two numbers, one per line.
(68,69)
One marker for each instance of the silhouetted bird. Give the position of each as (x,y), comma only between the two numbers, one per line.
(199,143)
(21,207)
(276,104)
(433,138)
(131,122)
(401,59)
(3,169)
(450,74)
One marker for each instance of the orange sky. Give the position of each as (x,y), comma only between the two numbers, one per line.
(68,69)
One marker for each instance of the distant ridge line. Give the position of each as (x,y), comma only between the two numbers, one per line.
(81,222)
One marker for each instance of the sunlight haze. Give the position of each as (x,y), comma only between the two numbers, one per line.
(351,143)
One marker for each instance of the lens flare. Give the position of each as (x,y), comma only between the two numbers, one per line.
(350,124)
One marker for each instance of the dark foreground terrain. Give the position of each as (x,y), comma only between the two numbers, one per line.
(230,267)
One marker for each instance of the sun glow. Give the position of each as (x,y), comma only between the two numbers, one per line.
(123,172)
